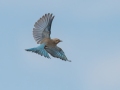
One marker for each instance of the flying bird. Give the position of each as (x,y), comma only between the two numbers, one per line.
(41,34)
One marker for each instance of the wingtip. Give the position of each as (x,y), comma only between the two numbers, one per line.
(69,60)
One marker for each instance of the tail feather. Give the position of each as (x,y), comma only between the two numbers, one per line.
(39,50)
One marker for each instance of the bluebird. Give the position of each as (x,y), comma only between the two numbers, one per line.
(41,34)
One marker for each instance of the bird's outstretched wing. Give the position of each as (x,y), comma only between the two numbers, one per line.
(57,52)
(42,28)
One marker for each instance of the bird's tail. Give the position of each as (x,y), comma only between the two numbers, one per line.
(39,50)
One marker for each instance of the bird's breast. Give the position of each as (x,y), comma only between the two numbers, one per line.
(48,42)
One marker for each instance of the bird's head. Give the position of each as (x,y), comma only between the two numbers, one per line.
(56,40)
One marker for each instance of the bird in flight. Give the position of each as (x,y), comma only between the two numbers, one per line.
(41,34)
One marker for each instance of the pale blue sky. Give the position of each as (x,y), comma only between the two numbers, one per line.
(90,30)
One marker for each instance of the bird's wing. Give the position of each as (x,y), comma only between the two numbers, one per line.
(57,52)
(42,28)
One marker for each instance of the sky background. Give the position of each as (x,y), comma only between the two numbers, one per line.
(90,30)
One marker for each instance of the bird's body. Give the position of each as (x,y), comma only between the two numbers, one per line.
(49,42)
(41,34)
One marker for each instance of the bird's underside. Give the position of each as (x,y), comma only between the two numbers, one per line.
(41,34)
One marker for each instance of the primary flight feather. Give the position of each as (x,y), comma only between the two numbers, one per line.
(41,34)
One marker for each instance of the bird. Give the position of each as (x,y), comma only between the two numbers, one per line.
(41,34)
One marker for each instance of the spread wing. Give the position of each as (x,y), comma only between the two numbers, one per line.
(42,28)
(57,52)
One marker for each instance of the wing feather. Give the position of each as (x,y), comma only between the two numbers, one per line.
(42,28)
(57,52)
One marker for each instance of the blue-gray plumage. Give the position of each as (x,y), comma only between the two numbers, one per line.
(39,50)
(41,34)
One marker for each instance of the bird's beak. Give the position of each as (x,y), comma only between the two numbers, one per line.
(61,41)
